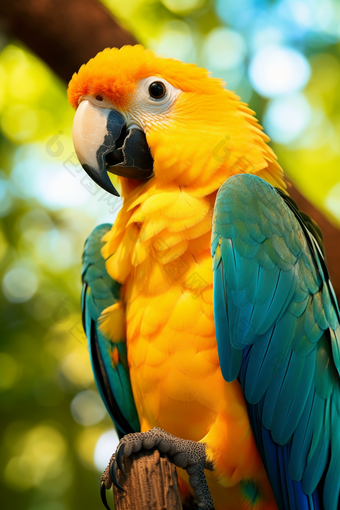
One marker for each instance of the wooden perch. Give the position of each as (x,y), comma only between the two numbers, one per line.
(151,483)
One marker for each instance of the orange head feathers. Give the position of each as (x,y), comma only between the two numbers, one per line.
(199,137)
(115,72)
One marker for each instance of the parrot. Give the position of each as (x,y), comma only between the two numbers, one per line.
(212,324)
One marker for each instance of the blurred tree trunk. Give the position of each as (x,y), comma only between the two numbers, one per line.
(67,33)
(63,33)
(331,237)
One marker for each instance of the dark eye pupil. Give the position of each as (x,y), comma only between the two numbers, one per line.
(99,98)
(157,90)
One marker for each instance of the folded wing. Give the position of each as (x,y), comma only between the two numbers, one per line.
(108,358)
(277,327)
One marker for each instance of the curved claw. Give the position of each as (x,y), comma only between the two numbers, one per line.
(103,495)
(113,474)
(119,457)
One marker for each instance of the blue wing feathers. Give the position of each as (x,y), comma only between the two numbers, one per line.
(100,292)
(231,370)
(277,329)
(289,494)
(302,438)
(319,312)
(289,382)
(286,420)
(272,395)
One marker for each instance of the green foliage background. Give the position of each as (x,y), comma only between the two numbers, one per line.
(51,419)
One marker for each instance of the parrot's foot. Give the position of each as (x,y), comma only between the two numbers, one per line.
(189,455)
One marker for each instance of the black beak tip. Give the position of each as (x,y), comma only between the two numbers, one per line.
(101,179)
(114,192)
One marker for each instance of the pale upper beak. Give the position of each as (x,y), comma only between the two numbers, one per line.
(103,143)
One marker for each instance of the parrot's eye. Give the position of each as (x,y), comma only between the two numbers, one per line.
(99,98)
(157,90)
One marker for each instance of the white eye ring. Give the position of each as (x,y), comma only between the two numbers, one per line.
(145,109)
(144,92)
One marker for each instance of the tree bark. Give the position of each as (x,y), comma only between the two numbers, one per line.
(63,33)
(151,483)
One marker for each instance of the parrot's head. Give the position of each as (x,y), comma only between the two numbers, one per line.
(144,117)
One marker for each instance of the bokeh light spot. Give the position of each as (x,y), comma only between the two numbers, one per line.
(87,408)
(86,442)
(3,80)
(277,70)
(19,284)
(236,13)
(18,474)
(55,250)
(42,458)
(105,447)
(181,6)
(76,366)
(286,117)
(176,41)
(224,49)
(19,123)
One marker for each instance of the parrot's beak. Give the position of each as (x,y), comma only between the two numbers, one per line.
(104,144)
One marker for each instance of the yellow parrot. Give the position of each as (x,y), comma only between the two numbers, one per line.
(212,324)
